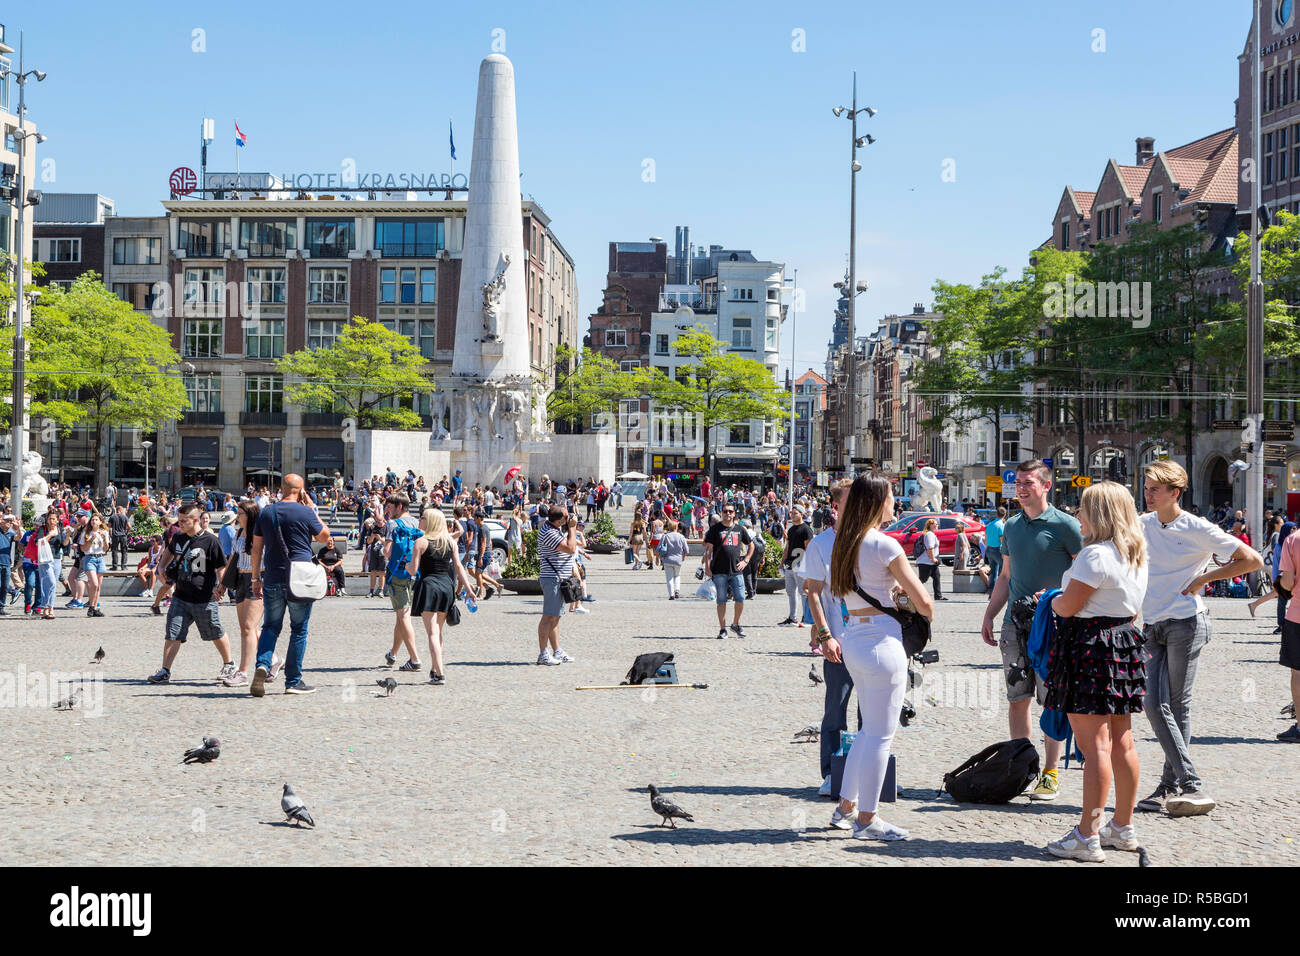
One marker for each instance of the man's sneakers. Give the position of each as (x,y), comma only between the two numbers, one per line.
(411,666)
(560,657)
(160,676)
(722,632)
(878,829)
(258,687)
(738,630)
(1075,846)
(389,658)
(579,610)
(94,612)
(300,688)
(546,658)
(274,672)
(1049,788)
(155,609)
(147,593)
(436,678)
(1115,837)
(237,679)
(1190,803)
(825,789)
(788,622)
(842,821)
(227,671)
(73,605)
(1291,736)
(1158,799)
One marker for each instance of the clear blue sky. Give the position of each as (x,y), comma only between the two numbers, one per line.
(739,125)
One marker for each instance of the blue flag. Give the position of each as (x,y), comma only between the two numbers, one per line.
(451,135)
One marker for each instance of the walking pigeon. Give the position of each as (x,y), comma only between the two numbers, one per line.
(69,702)
(294,810)
(813,675)
(99,656)
(389,684)
(209,752)
(667,809)
(811,732)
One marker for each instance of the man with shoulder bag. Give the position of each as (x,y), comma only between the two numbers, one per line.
(557,547)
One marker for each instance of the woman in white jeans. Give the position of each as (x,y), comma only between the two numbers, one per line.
(672,552)
(872,647)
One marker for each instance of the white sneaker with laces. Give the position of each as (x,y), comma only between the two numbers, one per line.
(843,821)
(878,829)
(1117,837)
(227,670)
(825,789)
(545,657)
(561,657)
(1073,846)
(579,610)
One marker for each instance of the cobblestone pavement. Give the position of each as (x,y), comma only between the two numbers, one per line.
(508,763)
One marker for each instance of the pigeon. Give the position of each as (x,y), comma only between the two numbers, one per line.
(389,684)
(209,752)
(293,808)
(811,732)
(70,702)
(667,809)
(813,675)
(99,656)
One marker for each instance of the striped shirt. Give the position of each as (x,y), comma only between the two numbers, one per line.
(553,562)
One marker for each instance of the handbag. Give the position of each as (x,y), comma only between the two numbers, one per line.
(453,616)
(230,575)
(915,627)
(307,581)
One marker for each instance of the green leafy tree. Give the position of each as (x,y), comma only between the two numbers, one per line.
(723,388)
(95,361)
(589,383)
(7,291)
(367,366)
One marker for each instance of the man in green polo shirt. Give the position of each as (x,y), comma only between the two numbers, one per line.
(1038,544)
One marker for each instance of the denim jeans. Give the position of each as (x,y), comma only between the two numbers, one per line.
(31,584)
(4,584)
(275,600)
(1173,648)
(835,716)
(49,579)
(994,558)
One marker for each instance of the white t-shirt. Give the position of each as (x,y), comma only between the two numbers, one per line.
(1177,553)
(931,544)
(816,566)
(1120,588)
(874,556)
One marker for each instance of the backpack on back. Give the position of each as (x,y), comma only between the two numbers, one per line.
(399,556)
(994,775)
(918,547)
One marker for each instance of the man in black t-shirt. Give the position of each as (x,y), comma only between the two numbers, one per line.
(728,549)
(797,538)
(118,527)
(194,562)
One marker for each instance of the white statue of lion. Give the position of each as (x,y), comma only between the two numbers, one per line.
(33,481)
(930,497)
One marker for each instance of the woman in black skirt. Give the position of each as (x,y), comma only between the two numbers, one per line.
(1097,671)
(437,568)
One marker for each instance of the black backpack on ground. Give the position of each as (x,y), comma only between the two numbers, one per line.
(995,774)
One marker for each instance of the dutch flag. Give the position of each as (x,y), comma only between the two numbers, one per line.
(240,138)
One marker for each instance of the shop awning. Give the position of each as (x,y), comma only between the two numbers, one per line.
(740,472)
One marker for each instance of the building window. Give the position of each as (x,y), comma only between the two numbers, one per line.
(62,250)
(202,338)
(139,294)
(1065,235)
(267,237)
(1155,206)
(137,251)
(742,334)
(263,393)
(742,295)
(420,333)
(409,237)
(322,333)
(661,343)
(616,338)
(738,435)
(327,286)
(1268,169)
(264,338)
(264,287)
(399,286)
(981,451)
(428,286)
(205,290)
(330,238)
(204,238)
(1281,165)
(204,392)
(770,345)
(1011,445)
(629,365)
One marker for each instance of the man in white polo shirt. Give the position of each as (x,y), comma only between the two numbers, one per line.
(1177,627)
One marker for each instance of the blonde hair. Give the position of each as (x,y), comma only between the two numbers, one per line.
(434,525)
(1108,510)
(1167,473)
(931,523)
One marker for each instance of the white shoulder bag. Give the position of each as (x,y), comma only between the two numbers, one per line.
(306,578)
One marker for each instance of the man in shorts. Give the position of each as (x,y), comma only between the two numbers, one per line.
(196,562)
(557,546)
(400,585)
(728,549)
(1038,545)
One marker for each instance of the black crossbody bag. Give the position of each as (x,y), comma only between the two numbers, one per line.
(915,627)
(569,592)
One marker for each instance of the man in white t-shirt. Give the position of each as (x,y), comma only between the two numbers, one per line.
(1177,627)
(828,623)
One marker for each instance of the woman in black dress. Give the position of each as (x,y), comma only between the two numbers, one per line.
(437,569)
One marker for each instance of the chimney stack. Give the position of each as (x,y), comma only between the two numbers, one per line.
(1146,149)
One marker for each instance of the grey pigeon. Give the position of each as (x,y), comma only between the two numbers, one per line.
(69,702)
(99,656)
(811,732)
(667,809)
(293,808)
(389,684)
(813,675)
(209,752)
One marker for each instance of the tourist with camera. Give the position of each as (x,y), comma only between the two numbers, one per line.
(557,546)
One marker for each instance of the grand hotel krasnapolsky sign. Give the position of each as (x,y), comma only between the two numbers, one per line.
(253,182)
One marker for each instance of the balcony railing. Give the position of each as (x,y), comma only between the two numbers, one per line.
(322,419)
(264,418)
(204,418)
(692,299)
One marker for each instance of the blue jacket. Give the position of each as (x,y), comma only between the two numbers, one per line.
(1053,723)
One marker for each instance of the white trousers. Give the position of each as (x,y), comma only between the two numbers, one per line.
(673,577)
(873,653)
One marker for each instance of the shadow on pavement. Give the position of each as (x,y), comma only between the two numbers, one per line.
(694,835)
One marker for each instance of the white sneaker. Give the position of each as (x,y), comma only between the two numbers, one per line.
(843,821)
(545,657)
(561,657)
(1073,846)
(825,789)
(146,594)
(878,829)
(1117,837)
(579,610)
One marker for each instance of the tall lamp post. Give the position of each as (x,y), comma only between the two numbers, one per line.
(1253,433)
(855,143)
(146,445)
(18,446)
(794,327)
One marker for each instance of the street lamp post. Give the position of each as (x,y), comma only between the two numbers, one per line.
(794,328)
(1254,322)
(854,166)
(19,404)
(146,445)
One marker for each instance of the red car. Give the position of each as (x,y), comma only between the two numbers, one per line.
(906,529)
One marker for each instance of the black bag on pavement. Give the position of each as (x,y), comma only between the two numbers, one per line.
(994,775)
(646,666)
